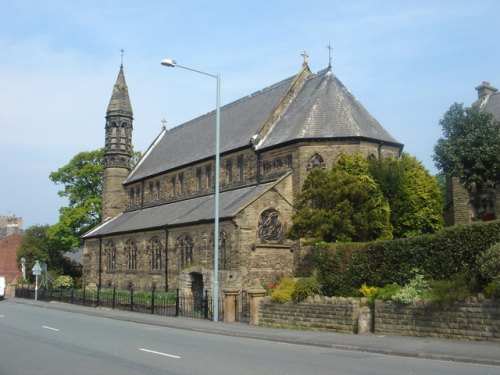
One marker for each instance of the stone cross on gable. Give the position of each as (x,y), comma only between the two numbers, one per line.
(305,55)
(164,122)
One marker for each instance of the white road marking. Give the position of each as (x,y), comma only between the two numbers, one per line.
(52,329)
(1,316)
(160,353)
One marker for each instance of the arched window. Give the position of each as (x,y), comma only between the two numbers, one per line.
(185,245)
(316,161)
(131,251)
(110,251)
(223,249)
(270,227)
(154,248)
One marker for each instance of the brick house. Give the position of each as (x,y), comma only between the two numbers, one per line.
(8,265)
(158,228)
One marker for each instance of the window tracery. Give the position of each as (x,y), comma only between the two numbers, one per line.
(185,245)
(155,248)
(131,251)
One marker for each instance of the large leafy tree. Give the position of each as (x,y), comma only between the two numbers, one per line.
(36,245)
(82,182)
(341,205)
(415,198)
(470,147)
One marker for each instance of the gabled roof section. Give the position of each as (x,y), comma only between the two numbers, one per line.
(195,140)
(190,211)
(120,101)
(324,108)
(306,106)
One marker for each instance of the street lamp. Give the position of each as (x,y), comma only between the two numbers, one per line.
(172,64)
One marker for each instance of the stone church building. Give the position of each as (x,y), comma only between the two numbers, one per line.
(158,227)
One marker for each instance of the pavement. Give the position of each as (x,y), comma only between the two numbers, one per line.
(480,352)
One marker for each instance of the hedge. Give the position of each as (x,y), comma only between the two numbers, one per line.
(343,268)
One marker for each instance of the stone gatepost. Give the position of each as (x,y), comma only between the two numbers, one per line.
(230,298)
(256,294)
(364,320)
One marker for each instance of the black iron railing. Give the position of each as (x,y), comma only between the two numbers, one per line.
(148,302)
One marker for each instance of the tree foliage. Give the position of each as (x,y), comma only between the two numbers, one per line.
(82,182)
(36,245)
(470,146)
(415,198)
(341,205)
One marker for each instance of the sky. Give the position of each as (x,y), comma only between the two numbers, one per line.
(407,62)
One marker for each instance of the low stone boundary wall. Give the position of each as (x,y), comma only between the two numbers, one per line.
(332,314)
(469,320)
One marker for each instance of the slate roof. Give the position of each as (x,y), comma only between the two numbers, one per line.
(492,104)
(195,140)
(323,108)
(189,211)
(120,100)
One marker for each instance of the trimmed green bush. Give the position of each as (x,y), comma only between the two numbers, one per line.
(343,268)
(283,291)
(489,262)
(305,287)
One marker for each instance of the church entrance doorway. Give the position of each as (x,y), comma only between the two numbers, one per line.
(197,289)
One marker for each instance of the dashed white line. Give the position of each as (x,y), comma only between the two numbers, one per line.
(52,329)
(1,316)
(160,353)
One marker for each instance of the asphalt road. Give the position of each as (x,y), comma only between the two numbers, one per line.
(45,341)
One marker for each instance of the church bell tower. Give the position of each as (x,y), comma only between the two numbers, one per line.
(118,149)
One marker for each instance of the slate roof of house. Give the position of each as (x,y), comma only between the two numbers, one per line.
(323,108)
(492,104)
(199,209)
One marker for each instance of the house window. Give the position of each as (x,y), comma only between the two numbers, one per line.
(208,172)
(181,182)
(185,246)
(131,251)
(151,190)
(157,191)
(198,179)
(110,251)
(316,161)
(137,196)
(173,184)
(131,196)
(240,168)
(229,171)
(154,248)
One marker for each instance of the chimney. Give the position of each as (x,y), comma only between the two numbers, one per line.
(484,90)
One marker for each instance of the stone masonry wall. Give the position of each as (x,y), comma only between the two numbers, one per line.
(469,320)
(336,314)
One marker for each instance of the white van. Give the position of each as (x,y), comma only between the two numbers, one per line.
(2,287)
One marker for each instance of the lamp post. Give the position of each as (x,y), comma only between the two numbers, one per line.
(172,64)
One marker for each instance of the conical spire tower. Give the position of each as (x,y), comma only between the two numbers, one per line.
(118,148)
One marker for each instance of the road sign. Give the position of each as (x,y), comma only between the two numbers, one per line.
(37,269)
